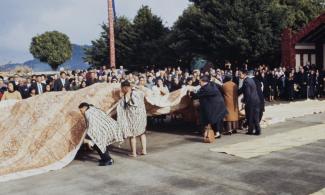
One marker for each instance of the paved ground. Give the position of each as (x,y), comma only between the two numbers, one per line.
(180,164)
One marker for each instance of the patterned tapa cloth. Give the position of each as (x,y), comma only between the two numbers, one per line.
(132,115)
(44,133)
(102,129)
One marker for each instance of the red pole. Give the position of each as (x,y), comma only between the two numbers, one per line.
(111,33)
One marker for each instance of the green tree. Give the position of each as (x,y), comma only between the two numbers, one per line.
(217,30)
(98,54)
(239,30)
(186,38)
(139,43)
(150,35)
(53,48)
(298,13)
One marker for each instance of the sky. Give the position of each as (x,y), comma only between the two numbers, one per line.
(20,20)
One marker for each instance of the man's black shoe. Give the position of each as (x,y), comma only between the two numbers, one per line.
(257,134)
(249,133)
(106,163)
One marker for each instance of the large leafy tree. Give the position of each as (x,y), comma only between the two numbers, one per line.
(139,43)
(53,48)
(186,38)
(297,13)
(149,43)
(98,53)
(239,30)
(217,30)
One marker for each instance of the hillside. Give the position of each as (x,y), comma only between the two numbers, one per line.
(76,62)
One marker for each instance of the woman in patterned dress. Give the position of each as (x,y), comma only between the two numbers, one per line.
(102,130)
(132,117)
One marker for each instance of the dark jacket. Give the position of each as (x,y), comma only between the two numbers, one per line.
(34,86)
(3,89)
(24,91)
(91,81)
(258,84)
(212,105)
(58,86)
(249,89)
(302,79)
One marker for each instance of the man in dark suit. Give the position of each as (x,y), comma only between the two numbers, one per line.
(62,84)
(302,80)
(23,89)
(38,86)
(92,79)
(252,103)
(259,86)
(212,105)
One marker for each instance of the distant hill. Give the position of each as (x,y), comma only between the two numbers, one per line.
(76,62)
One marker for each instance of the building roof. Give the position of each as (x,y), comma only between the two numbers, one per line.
(314,31)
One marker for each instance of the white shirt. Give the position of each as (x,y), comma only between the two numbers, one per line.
(63,82)
(40,88)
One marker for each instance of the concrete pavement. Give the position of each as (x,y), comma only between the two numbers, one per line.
(179,163)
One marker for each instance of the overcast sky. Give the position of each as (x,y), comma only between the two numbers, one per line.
(80,19)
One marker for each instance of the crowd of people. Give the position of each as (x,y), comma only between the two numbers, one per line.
(217,90)
(278,84)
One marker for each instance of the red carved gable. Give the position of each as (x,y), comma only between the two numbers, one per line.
(308,28)
(290,39)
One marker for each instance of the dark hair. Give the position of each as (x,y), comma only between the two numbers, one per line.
(13,83)
(189,79)
(31,89)
(49,80)
(61,73)
(82,82)
(244,71)
(84,104)
(228,77)
(159,79)
(1,77)
(205,78)
(251,72)
(126,83)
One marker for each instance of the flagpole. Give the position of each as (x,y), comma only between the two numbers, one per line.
(111,34)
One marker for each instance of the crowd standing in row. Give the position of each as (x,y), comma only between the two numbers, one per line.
(216,89)
(277,84)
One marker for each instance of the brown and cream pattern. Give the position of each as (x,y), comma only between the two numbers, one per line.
(44,133)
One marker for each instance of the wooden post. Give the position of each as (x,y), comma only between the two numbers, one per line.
(288,50)
(111,34)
